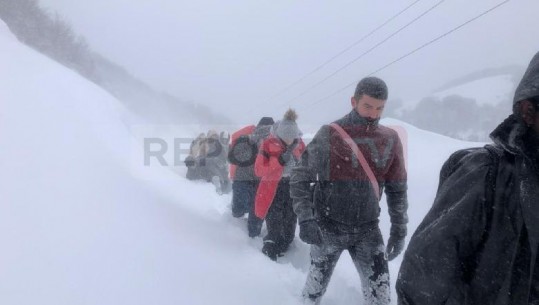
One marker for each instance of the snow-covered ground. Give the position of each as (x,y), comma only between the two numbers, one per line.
(77,226)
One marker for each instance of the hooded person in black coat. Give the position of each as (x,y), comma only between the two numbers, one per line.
(478,244)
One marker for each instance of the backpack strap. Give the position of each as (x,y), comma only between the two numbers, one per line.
(361,158)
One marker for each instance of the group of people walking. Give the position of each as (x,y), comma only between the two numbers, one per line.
(207,160)
(332,187)
(263,158)
(478,243)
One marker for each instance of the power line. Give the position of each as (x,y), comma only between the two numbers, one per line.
(417,49)
(341,52)
(366,52)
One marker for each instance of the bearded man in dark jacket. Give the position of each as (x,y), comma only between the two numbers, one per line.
(343,213)
(478,244)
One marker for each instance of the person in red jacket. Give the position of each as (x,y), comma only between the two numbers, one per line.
(277,155)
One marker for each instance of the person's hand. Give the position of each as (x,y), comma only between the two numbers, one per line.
(288,153)
(395,245)
(309,232)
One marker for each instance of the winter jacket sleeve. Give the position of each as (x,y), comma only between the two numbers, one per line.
(395,190)
(438,258)
(310,168)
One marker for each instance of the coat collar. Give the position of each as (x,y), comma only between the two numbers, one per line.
(517,139)
(354,119)
(509,135)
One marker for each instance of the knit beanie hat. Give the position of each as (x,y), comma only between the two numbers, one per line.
(287,129)
(529,85)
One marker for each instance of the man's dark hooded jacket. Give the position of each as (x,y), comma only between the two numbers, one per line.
(478,244)
(345,201)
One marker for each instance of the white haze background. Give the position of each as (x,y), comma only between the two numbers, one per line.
(83,222)
(235,55)
(78,225)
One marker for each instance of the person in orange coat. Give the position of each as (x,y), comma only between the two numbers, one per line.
(276,157)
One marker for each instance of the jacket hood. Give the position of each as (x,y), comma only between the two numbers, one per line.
(264,121)
(529,85)
(509,134)
(260,133)
(514,137)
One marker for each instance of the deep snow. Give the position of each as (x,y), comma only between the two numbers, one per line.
(79,225)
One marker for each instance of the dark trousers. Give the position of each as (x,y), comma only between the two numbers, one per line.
(367,252)
(280,221)
(243,201)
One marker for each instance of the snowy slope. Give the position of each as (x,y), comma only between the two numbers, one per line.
(77,227)
(486,91)
(491,90)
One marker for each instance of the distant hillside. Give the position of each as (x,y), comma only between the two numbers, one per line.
(49,34)
(155,107)
(515,72)
(467,108)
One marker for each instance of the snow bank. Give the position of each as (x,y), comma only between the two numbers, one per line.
(77,227)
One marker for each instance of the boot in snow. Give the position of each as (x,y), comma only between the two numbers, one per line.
(270,250)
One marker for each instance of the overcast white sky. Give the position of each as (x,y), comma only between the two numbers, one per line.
(235,55)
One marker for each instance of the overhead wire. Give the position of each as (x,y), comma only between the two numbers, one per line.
(299,80)
(416,49)
(366,52)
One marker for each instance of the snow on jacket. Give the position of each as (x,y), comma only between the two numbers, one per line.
(478,243)
(269,168)
(345,197)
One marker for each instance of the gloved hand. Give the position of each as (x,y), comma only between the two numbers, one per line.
(288,153)
(309,232)
(395,245)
